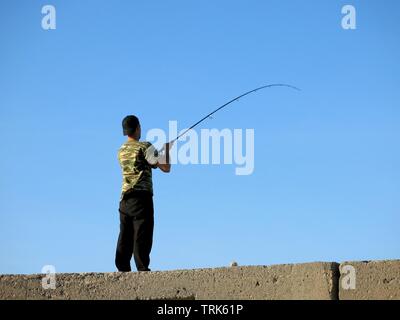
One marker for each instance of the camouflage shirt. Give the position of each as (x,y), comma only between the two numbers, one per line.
(136,160)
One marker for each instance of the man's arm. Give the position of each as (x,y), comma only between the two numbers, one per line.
(164,162)
(159,159)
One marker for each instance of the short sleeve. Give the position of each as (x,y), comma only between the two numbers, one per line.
(151,154)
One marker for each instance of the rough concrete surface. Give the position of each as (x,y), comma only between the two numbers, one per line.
(298,281)
(374,280)
(13,287)
(321,280)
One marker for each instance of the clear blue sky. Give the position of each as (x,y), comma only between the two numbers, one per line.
(326,185)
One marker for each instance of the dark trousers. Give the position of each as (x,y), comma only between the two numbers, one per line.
(136,231)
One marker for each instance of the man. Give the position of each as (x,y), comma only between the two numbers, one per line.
(137,159)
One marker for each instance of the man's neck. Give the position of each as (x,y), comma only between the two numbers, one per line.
(131,139)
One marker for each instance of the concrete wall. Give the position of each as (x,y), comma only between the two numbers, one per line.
(298,281)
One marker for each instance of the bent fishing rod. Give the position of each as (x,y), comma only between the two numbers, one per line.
(228,103)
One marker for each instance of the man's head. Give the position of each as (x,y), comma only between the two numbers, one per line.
(131,127)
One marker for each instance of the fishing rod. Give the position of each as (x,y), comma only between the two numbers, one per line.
(228,103)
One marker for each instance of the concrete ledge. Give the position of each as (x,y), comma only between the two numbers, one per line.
(372,280)
(300,281)
(356,281)
(13,287)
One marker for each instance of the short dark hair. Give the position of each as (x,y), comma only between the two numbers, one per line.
(129,125)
